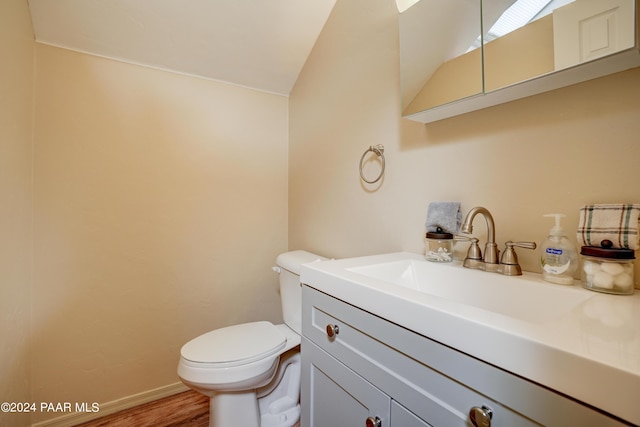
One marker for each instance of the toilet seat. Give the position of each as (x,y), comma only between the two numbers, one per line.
(235,345)
(235,358)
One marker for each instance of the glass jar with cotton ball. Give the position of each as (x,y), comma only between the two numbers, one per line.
(439,246)
(606,269)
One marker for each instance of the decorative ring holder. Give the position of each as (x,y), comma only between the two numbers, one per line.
(379,151)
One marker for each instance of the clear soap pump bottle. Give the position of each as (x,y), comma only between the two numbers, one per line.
(559,258)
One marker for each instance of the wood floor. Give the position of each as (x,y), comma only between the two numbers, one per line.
(184,409)
(188,409)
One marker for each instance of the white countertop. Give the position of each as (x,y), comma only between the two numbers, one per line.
(591,353)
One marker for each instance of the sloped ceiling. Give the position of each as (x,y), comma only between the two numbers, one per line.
(261,44)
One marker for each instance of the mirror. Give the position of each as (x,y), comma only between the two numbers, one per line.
(434,67)
(528,47)
(525,39)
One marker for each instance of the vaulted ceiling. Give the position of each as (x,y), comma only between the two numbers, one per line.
(261,44)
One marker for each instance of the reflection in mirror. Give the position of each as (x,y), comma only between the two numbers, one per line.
(563,41)
(524,39)
(436,66)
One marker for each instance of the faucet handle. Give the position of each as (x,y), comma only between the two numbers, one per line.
(474,256)
(474,251)
(509,256)
(509,259)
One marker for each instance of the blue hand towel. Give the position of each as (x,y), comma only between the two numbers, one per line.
(444,215)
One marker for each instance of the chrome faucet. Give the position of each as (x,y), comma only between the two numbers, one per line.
(508,265)
(474,257)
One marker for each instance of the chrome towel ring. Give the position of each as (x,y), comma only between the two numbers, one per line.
(379,151)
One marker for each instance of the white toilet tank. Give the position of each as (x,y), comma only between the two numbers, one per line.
(289,264)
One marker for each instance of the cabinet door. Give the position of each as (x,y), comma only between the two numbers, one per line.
(401,417)
(333,395)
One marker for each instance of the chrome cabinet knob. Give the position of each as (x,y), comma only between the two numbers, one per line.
(373,422)
(332,330)
(481,417)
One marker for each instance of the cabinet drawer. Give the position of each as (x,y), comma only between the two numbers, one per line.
(436,383)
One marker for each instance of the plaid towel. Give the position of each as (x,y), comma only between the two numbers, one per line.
(618,223)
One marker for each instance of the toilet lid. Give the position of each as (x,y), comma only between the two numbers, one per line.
(235,345)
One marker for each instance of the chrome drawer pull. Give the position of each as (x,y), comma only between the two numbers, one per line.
(481,417)
(332,330)
(373,422)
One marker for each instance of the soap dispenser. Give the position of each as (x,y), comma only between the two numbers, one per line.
(559,258)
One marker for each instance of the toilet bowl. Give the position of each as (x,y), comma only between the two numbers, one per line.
(251,371)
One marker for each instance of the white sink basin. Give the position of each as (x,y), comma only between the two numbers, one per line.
(519,297)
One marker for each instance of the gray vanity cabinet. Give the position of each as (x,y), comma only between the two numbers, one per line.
(361,370)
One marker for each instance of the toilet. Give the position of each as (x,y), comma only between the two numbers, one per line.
(251,371)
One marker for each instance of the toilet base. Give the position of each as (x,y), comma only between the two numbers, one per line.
(275,405)
(280,403)
(234,409)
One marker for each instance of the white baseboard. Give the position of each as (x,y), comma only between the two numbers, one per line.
(108,408)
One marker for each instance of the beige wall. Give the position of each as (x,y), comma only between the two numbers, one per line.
(161,205)
(16,203)
(549,153)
